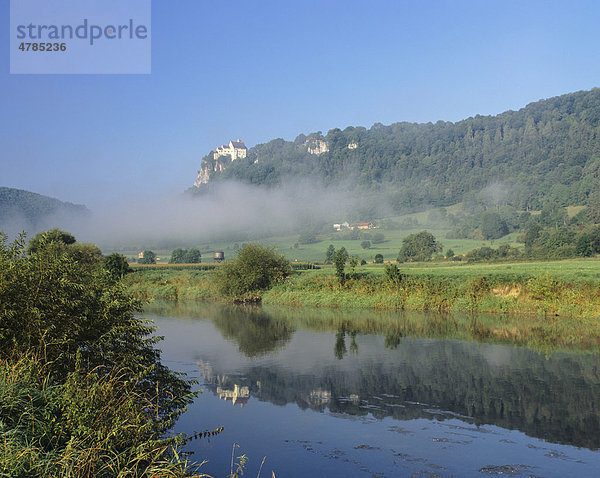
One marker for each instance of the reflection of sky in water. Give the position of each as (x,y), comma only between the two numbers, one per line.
(431,441)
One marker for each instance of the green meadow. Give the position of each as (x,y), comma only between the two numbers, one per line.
(288,245)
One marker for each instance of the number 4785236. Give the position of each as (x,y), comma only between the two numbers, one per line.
(43,47)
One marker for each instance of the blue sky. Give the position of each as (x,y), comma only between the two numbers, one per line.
(262,70)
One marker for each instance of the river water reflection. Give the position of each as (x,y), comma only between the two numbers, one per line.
(321,397)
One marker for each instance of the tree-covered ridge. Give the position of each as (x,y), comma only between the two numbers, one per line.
(548,150)
(32,209)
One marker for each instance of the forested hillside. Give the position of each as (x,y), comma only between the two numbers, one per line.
(548,151)
(24,210)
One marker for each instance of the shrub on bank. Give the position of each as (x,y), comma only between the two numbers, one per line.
(82,389)
(255,269)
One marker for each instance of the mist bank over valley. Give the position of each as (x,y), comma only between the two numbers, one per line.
(232,211)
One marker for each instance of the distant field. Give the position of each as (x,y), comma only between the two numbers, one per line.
(288,244)
(389,248)
(316,252)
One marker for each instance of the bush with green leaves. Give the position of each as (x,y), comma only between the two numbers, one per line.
(377,238)
(192,256)
(493,226)
(354,261)
(95,398)
(86,254)
(255,268)
(393,274)
(378,259)
(177,256)
(330,254)
(52,236)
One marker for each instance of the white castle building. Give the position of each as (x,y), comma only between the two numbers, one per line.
(235,149)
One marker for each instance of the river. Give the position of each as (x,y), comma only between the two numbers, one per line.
(321,397)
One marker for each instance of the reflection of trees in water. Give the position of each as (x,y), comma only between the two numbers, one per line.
(555,399)
(339,349)
(255,331)
(392,339)
(394,324)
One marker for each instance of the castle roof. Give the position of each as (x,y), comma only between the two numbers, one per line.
(239,144)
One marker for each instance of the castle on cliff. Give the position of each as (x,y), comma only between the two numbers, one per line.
(235,149)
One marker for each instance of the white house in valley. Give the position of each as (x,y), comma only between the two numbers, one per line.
(341,225)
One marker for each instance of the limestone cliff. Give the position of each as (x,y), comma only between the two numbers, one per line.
(210,166)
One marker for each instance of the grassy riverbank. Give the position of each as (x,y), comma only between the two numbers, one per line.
(563,288)
(541,294)
(540,310)
(171,284)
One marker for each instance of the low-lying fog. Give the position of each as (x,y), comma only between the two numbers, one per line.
(230,211)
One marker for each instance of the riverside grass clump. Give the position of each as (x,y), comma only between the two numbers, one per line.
(173,285)
(540,295)
(95,423)
(83,392)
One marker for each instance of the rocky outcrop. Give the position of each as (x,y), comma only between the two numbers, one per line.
(208,167)
(203,177)
(317,146)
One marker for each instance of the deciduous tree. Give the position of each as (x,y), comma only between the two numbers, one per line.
(148,257)
(418,247)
